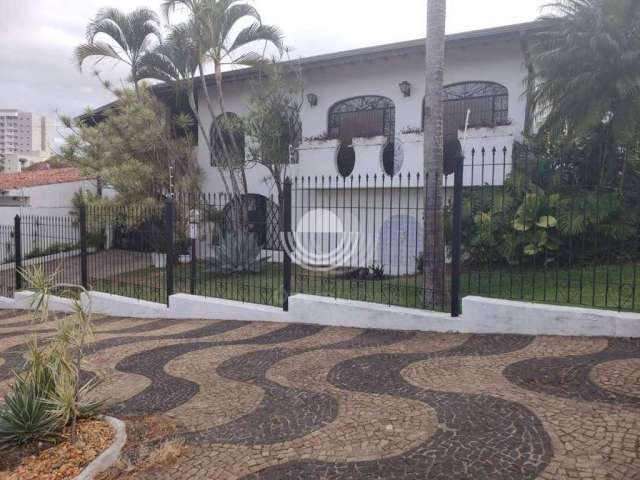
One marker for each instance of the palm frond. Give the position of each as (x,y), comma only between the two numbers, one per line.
(234,14)
(142,24)
(255,33)
(98,49)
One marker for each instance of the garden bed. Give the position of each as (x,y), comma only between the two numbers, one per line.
(58,461)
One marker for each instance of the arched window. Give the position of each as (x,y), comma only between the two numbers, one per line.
(366,116)
(229,139)
(487,101)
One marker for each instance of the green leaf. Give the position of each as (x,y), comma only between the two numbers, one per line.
(547,222)
(531,250)
(519,226)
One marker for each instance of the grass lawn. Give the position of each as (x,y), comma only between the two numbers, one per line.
(615,287)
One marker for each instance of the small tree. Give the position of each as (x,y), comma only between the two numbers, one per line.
(273,124)
(139,149)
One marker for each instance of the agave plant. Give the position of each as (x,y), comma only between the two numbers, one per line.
(237,253)
(26,416)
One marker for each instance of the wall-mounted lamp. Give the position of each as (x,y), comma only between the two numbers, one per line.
(312,98)
(405,88)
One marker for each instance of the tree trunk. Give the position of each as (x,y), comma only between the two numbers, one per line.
(434,257)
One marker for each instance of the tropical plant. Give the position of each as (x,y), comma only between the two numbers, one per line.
(214,35)
(586,68)
(434,264)
(173,60)
(50,394)
(131,36)
(544,213)
(237,253)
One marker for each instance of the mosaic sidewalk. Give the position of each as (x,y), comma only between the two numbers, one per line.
(275,402)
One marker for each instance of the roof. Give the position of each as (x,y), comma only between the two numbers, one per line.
(15,181)
(358,55)
(368,54)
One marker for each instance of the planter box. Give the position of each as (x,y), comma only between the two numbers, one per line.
(417,137)
(370,141)
(331,143)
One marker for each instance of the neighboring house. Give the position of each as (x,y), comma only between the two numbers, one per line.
(44,189)
(25,139)
(44,201)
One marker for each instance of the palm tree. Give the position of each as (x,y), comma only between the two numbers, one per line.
(213,26)
(173,60)
(131,37)
(433,274)
(587,68)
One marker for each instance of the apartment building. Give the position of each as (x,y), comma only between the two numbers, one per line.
(25,139)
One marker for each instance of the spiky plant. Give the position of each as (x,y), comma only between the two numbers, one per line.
(25,418)
(50,395)
(237,253)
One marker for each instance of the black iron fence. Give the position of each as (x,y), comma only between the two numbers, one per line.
(522,225)
(7,258)
(553,227)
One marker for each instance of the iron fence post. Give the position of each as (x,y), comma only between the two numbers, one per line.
(192,283)
(18,251)
(285,203)
(169,220)
(84,274)
(456,242)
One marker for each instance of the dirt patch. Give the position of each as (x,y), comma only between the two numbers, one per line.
(60,461)
(153,443)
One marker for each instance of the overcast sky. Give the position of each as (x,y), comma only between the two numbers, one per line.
(37,38)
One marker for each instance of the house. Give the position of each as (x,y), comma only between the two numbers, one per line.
(43,189)
(362,125)
(363,117)
(44,200)
(362,101)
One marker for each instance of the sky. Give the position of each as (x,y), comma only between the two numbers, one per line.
(37,39)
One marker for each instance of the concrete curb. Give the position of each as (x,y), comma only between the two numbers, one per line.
(107,458)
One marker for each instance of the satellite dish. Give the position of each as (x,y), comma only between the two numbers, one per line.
(452,156)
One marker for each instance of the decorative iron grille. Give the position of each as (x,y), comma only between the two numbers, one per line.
(364,116)
(487,101)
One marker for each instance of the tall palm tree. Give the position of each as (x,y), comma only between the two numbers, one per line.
(219,39)
(587,67)
(433,275)
(131,36)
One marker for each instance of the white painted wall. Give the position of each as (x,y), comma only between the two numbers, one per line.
(44,200)
(481,315)
(500,62)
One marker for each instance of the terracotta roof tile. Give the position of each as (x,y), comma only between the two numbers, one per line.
(13,181)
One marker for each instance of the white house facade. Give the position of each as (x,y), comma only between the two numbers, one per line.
(485,71)
(362,125)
